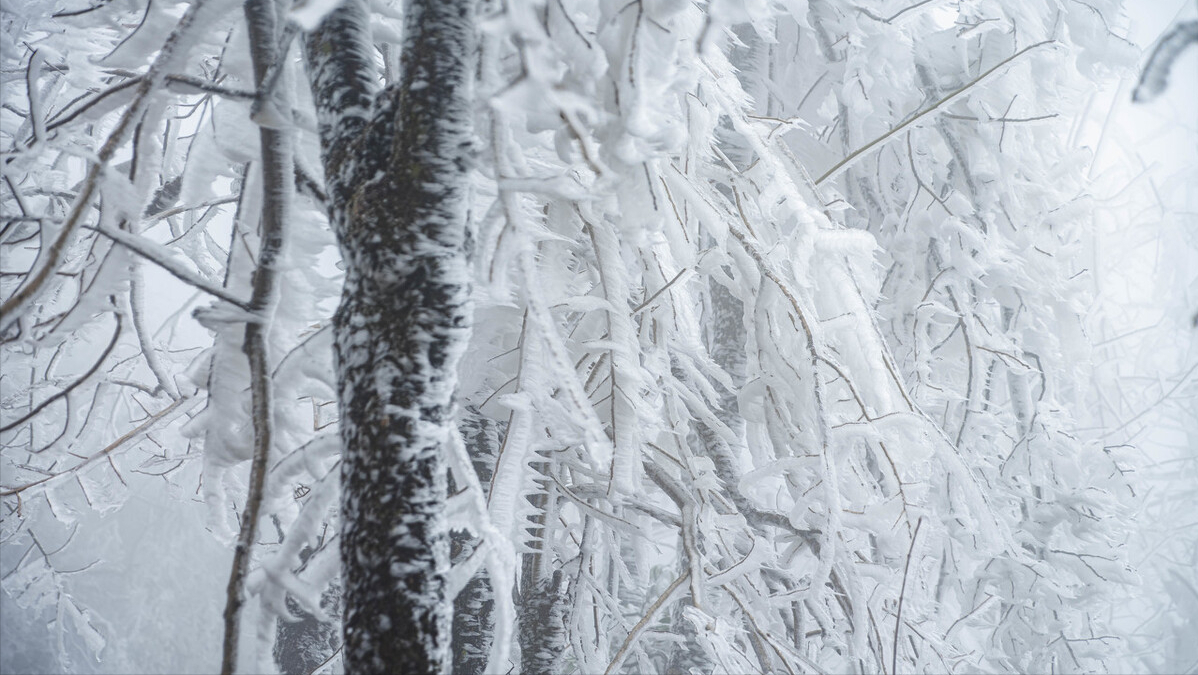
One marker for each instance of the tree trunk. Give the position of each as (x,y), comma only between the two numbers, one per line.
(396,164)
(473,615)
(543,638)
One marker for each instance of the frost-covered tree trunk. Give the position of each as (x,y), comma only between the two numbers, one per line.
(543,598)
(396,165)
(473,620)
(543,637)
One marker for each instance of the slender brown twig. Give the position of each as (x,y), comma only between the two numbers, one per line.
(898,619)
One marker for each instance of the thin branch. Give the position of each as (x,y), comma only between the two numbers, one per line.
(853,156)
(163,257)
(325,662)
(639,628)
(278,186)
(898,620)
(173,82)
(208,87)
(907,9)
(1182,380)
(108,449)
(116,334)
(1004,119)
(78,12)
(659,291)
(162,215)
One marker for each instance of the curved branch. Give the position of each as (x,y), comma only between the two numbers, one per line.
(116,334)
(278,185)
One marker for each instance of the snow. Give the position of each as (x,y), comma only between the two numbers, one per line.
(785,315)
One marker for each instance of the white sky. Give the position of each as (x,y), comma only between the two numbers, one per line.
(1166,129)
(1147,247)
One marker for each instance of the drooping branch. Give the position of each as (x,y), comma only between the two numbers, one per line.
(164,258)
(278,186)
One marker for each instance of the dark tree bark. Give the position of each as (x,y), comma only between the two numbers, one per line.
(1155,77)
(304,645)
(543,602)
(542,626)
(396,164)
(474,607)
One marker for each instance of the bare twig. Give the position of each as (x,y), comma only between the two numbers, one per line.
(853,156)
(1164,397)
(639,628)
(898,620)
(649,300)
(108,449)
(116,334)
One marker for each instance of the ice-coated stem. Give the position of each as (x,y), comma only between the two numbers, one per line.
(278,186)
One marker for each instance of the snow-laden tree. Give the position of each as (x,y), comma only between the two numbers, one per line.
(132,167)
(396,164)
(876,465)
(778,360)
